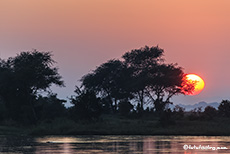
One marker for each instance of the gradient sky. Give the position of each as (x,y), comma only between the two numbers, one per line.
(85,33)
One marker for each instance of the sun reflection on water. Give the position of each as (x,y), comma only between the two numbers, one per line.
(129,144)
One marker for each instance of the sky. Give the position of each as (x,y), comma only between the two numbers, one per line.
(83,34)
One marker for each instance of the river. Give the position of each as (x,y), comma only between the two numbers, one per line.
(115,144)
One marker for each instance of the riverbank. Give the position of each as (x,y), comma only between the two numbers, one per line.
(116,125)
(12,130)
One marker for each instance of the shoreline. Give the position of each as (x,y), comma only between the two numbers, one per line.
(122,126)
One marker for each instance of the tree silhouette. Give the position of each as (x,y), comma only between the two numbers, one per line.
(224,108)
(155,79)
(168,80)
(24,76)
(142,74)
(143,63)
(109,80)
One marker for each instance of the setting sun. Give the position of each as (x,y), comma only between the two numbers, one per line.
(199,83)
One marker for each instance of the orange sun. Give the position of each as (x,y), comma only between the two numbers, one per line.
(199,83)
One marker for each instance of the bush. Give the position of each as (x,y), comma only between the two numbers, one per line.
(125,107)
(50,107)
(86,106)
(209,113)
(195,114)
(178,112)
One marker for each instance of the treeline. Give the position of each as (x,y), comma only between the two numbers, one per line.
(208,113)
(139,83)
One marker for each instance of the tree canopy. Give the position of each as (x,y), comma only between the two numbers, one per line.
(142,74)
(109,80)
(22,77)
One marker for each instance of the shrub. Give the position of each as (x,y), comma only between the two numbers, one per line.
(86,106)
(125,107)
(178,112)
(209,112)
(195,114)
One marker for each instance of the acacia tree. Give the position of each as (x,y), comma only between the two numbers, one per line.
(26,75)
(155,79)
(143,63)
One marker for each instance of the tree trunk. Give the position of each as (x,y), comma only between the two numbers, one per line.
(30,101)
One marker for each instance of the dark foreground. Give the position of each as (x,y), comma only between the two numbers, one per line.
(116,125)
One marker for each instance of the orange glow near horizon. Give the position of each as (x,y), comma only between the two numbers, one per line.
(199,83)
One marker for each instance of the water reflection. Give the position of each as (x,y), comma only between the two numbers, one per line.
(133,144)
(112,144)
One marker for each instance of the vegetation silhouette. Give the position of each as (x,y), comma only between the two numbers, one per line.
(141,75)
(125,108)
(209,113)
(109,81)
(133,92)
(87,106)
(22,78)
(224,108)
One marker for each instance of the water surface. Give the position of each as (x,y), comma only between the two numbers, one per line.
(114,144)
